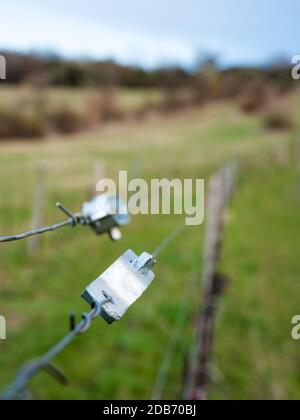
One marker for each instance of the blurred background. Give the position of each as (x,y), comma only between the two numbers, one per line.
(161,90)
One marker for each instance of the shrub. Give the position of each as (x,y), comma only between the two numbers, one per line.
(93,109)
(277,119)
(256,95)
(65,120)
(251,102)
(109,107)
(203,88)
(21,124)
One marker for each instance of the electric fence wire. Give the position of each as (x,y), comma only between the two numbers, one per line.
(174,339)
(18,387)
(170,238)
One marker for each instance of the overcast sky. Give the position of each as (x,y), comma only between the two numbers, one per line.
(154,32)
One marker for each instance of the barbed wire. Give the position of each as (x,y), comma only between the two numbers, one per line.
(19,387)
(74,220)
(29,370)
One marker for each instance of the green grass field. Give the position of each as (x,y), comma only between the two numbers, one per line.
(255,356)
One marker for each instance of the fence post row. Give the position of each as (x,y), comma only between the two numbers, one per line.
(198,374)
(99,173)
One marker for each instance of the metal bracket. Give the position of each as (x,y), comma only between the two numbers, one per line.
(124,281)
(105,214)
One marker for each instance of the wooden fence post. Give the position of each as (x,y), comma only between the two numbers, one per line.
(99,172)
(39,195)
(198,376)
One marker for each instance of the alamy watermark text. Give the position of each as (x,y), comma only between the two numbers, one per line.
(2,67)
(159,196)
(296,67)
(2,328)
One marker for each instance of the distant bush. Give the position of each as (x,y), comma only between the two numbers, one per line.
(251,102)
(254,96)
(171,100)
(109,106)
(93,109)
(32,115)
(278,119)
(65,120)
(21,124)
(51,69)
(231,85)
(200,91)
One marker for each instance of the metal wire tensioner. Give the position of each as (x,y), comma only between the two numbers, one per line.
(104,214)
(110,296)
(124,281)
